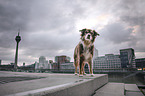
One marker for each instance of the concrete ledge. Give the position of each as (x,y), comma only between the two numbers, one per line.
(85,86)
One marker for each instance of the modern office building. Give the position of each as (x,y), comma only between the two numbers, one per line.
(55,66)
(127,57)
(67,66)
(62,59)
(140,63)
(107,61)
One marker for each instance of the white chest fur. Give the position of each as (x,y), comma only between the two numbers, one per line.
(87,53)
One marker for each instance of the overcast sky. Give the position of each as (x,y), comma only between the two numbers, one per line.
(51,27)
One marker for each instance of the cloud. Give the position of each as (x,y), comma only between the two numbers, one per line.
(14,15)
(51,28)
(117,33)
(134,16)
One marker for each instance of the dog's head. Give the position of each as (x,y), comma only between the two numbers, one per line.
(88,36)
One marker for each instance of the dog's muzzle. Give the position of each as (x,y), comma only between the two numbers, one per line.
(88,37)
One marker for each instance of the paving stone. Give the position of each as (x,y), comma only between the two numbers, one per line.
(132,90)
(111,89)
(131,87)
(134,94)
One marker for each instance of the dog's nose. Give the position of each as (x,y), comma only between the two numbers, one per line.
(88,37)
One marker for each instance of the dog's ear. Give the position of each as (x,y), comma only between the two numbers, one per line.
(95,33)
(83,31)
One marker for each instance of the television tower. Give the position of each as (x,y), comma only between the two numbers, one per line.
(18,39)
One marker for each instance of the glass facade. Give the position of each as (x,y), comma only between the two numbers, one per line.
(107,61)
(127,58)
(67,65)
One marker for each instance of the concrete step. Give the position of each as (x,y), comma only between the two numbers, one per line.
(132,90)
(111,89)
(119,89)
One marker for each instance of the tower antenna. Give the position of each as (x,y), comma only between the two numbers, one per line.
(18,31)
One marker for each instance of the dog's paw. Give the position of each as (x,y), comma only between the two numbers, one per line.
(84,74)
(92,75)
(80,75)
(76,74)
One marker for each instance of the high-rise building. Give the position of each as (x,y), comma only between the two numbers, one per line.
(127,57)
(107,61)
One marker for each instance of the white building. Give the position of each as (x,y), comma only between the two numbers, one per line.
(107,61)
(50,64)
(43,63)
(95,54)
(36,65)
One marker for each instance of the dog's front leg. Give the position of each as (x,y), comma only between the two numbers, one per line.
(90,66)
(75,70)
(81,66)
(83,69)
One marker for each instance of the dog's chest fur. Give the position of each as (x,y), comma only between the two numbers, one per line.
(87,52)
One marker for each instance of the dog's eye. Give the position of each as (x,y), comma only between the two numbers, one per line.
(92,33)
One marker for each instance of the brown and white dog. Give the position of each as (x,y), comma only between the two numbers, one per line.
(84,51)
